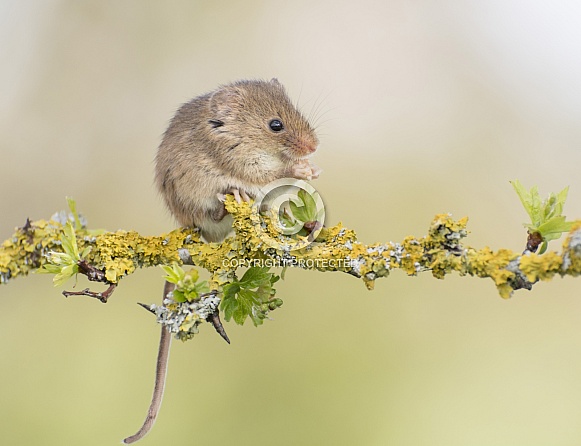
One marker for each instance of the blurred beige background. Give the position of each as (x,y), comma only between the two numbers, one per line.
(423,107)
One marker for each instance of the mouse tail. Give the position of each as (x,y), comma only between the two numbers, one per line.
(160,375)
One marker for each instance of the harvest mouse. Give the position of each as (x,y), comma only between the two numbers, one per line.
(233,140)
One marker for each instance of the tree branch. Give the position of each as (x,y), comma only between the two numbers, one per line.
(114,255)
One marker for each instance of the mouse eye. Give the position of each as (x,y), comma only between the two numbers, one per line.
(215,123)
(276,125)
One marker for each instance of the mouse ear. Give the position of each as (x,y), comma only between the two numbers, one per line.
(224,102)
(275,81)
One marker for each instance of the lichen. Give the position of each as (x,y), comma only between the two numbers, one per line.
(182,319)
(572,252)
(336,249)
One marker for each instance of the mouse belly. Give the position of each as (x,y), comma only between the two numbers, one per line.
(216,231)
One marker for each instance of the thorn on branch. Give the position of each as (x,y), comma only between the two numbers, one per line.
(102,296)
(214,319)
(147,307)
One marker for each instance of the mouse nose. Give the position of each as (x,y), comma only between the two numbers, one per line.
(306,147)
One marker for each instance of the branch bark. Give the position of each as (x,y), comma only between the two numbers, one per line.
(115,255)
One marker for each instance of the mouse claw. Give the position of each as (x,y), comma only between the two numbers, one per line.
(315,171)
(245,196)
(303,170)
(239,195)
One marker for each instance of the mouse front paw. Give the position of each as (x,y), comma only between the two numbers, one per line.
(303,170)
(239,195)
(316,171)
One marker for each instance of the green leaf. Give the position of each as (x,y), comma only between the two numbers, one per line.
(228,306)
(178,296)
(561,198)
(86,252)
(263,293)
(229,303)
(59,279)
(249,296)
(188,288)
(310,205)
(319,216)
(70,270)
(63,264)
(554,228)
(546,216)
(174,273)
(193,274)
(299,212)
(257,318)
(520,190)
(202,287)
(254,277)
(535,206)
(247,301)
(543,248)
(527,198)
(69,241)
(231,290)
(244,308)
(49,268)
(286,220)
(73,207)
(65,274)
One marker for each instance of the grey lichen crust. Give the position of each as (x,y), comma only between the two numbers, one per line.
(182,319)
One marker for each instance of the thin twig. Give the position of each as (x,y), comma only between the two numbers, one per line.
(102,296)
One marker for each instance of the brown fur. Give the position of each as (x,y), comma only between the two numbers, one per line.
(218,143)
(221,141)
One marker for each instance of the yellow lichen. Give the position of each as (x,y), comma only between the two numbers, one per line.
(336,248)
(540,267)
(572,251)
